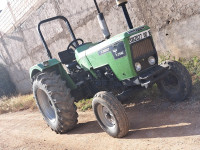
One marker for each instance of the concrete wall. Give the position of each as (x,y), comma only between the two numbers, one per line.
(174,24)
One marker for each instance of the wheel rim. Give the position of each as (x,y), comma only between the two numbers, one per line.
(171,83)
(46,105)
(106,116)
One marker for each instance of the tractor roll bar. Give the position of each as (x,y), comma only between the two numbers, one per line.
(51,19)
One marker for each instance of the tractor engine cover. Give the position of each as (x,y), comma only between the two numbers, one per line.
(120,53)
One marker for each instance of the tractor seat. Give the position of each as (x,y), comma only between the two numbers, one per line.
(67,56)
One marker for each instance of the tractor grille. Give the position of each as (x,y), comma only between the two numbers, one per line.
(142,48)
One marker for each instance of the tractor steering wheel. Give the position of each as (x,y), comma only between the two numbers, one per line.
(72,43)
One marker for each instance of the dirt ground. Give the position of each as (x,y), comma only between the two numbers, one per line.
(157,125)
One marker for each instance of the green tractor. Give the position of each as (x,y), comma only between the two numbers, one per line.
(108,71)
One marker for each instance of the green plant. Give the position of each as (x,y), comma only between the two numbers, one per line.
(84,104)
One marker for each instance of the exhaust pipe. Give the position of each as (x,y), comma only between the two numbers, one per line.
(102,22)
(122,3)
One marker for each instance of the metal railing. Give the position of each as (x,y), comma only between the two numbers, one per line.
(16,12)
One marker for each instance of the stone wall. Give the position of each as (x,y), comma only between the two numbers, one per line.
(174,25)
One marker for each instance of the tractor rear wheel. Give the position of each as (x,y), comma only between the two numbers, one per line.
(110,114)
(177,85)
(55,102)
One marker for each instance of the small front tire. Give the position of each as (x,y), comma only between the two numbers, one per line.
(110,114)
(177,85)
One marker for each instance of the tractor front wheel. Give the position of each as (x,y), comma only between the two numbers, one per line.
(177,85)
(55,102)
(110,114)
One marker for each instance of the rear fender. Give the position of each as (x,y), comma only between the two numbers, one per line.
(53,64)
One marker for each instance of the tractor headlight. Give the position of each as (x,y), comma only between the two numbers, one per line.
(151,60)
(138,66)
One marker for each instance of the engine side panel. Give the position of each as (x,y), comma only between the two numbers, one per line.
(115,55)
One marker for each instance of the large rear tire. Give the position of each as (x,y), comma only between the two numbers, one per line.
(55,102)
(177,85)
(110,114)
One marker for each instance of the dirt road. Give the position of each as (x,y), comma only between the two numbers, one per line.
(153,125)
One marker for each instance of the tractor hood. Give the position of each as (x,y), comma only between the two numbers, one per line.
(114,52)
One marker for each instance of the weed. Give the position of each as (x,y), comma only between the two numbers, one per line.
(16,103)
(84,105)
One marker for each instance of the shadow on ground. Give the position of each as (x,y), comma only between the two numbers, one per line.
(85,128)
(151,116)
